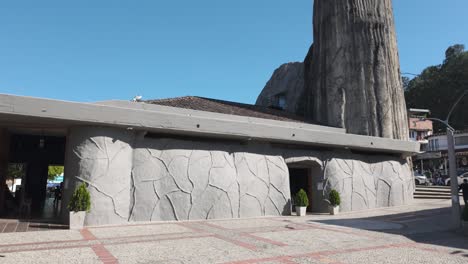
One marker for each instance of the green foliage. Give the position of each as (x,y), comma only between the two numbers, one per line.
(438,87)
(334,198)
(81,200)
(465,213)
(301,198)
(15,170)
(54,171)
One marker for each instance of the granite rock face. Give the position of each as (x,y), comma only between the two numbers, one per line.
(136,178)
(353,71)
(287,80)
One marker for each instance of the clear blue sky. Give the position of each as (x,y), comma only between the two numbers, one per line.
(90,50)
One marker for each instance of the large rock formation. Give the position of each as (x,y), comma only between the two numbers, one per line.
(352,71)
(287,81)
(354,79)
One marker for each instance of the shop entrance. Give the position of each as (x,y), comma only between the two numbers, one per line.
(33,176)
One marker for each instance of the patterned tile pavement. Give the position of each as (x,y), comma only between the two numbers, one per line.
(411,234)
(11,226)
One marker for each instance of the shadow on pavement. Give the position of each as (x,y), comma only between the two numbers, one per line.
(425,226)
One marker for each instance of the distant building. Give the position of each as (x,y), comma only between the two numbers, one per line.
(438,147)
(419,128)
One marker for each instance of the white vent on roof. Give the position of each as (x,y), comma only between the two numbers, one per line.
(137,98)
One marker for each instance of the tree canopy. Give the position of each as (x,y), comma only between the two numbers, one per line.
(438,87)
(54,171)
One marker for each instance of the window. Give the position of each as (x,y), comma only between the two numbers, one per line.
(463,140)
(434,144)
(278,101)
(282,101)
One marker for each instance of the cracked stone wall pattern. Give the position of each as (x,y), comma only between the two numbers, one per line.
(101,157)
(363,181)
(133,178)
(180,180)
(369,182)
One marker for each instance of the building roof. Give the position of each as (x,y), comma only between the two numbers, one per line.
(39,113)
(227,107)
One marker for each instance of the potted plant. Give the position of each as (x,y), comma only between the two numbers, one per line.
(79,204)
(334,201)
(302,202)
(465,220)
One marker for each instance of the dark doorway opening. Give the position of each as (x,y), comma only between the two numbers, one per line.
(308,175)
(299,178)
(31,195)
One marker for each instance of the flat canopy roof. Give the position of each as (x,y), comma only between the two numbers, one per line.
(165,119)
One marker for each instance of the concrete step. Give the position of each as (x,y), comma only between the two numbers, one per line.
(431,193)
(435,188)
(431,197)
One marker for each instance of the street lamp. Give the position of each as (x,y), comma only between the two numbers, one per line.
(452,172)
(456,211)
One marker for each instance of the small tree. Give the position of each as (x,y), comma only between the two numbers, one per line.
(81,200)
(301,199)
(334,198)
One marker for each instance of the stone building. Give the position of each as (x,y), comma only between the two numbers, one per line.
(196,158)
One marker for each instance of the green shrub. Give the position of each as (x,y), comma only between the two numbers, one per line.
(334,198)
(81,200)
(301,198)
(465,213)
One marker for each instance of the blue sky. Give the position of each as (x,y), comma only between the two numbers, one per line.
(91,50)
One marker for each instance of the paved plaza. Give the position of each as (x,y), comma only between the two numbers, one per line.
(416,233)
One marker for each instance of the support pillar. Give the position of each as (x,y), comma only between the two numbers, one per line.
(4,158)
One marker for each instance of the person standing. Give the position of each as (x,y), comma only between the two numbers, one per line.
(464,188)
(58,195)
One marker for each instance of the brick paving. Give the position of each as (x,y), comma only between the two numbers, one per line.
(416,236)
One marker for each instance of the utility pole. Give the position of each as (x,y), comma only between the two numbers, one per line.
(456,210)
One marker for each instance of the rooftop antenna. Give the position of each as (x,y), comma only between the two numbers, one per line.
(137,98)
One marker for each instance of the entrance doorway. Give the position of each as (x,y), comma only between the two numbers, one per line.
(307,175)
(299,178)
(34,173)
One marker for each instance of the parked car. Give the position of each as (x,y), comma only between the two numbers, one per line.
(420,179)
(460,178)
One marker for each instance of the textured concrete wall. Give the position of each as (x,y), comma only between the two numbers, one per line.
(181,180)
(103,158)
(364,181)
(135,178)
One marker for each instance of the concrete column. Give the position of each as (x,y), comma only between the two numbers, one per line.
(101,157)
(4,153)
(445,166)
